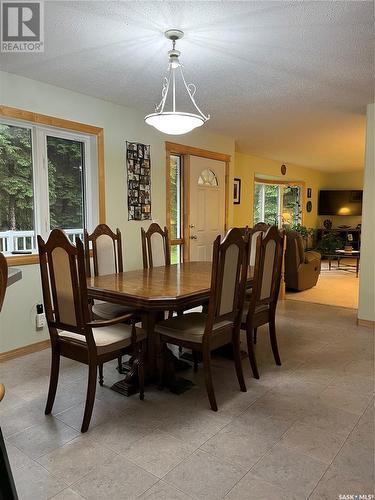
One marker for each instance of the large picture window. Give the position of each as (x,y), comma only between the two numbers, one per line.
(48,179)
(278,204)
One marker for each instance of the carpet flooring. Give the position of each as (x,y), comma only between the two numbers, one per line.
(335,287)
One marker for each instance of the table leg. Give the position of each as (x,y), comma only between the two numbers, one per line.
(357,268)
(152,363)
(329,263)
(129,385)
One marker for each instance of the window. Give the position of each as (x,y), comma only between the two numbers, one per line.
(48,179)
(278,204)
(208,178)
(175,209)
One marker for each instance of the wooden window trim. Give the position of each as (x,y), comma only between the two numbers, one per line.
(301,184)
(29,116)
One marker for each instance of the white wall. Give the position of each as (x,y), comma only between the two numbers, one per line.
(120,124)
(366,307)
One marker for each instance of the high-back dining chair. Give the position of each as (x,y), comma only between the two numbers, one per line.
(106,249)
(261,309)
(107,259)
(202,332)
(155,246)
(7,487)
(72,331)
(258,228)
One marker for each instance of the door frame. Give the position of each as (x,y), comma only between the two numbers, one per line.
(185,152)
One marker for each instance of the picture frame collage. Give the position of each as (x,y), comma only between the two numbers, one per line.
(138,164)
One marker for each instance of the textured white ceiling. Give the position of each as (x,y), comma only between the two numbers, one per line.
(289,80)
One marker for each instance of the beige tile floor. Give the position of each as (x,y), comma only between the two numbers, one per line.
(304,430)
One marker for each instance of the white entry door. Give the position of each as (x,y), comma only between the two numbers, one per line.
(207,205)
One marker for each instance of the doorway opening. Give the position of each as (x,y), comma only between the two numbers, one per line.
(197,200)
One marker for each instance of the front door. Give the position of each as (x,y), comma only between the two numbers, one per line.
(206,205)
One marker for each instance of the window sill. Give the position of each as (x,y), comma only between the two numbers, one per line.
(22,260)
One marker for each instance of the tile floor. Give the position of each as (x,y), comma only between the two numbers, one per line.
(304,430)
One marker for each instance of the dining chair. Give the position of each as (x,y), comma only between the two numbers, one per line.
(261,308)
(155,246)
(261,226)
(73,333)
(107,259)
(7,487)
(203,332)
(258,228)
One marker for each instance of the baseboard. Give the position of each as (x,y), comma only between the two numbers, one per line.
(22,351)
(365,322)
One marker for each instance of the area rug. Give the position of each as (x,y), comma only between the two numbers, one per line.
(337,287)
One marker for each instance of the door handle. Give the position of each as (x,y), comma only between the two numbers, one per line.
(191,226)
(193,237)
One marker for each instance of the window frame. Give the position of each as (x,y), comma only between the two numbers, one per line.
(50,126)
(177,241)
(280,184)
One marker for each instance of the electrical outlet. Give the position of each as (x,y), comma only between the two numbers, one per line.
(40,320)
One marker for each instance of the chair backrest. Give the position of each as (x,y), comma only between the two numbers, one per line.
(106,251)
(259,227)
(3,278)
(62,267)
(228,278)
(267,269)
(155,246)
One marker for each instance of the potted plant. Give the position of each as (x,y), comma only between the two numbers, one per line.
(329,243)
(307,233)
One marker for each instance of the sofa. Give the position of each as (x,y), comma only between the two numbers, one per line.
(302,268)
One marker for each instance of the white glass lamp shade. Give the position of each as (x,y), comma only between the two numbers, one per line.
(174,123)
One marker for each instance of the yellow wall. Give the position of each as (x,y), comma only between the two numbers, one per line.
(247,167)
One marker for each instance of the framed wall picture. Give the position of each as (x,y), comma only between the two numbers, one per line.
(309,192)
(237,191)
(139,181)
(309,206)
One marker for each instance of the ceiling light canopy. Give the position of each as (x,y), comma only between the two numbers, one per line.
(175,122)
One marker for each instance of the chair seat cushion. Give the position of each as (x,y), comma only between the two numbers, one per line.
(107,310)
(189,327)
(258,309)
(107,338)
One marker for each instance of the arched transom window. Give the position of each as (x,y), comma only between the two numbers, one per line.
(208,178)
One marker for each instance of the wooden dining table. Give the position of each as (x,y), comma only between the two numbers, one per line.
(152,292)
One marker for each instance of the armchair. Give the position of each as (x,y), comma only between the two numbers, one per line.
(302,268)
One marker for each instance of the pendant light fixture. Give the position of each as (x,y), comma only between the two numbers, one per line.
(175,122)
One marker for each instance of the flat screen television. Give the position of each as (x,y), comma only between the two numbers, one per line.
(340,202)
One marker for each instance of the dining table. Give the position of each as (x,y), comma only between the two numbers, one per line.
(151,292)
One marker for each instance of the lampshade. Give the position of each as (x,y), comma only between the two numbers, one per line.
(175,122)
